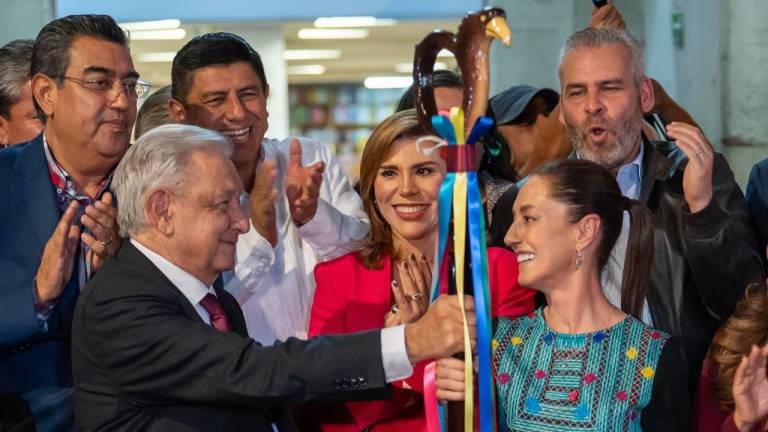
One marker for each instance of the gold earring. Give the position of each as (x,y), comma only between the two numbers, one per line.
(579,260)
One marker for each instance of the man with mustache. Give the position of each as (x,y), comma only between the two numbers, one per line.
(56,209)
(705,252)
(300,203)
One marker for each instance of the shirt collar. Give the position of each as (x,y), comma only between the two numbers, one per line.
(192,288)
(638,162)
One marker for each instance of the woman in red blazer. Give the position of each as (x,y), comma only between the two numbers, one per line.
(386,282)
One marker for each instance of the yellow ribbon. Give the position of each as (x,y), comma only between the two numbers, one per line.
(459,248)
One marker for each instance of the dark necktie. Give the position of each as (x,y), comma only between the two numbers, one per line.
(218,316)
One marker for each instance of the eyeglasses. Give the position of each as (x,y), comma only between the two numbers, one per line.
(132,87)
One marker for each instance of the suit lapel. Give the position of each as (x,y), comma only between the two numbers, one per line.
(34,192)
(128,252)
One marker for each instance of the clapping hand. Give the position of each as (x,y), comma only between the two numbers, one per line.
(302,186)
(263,194)
(56,264)
(104,239)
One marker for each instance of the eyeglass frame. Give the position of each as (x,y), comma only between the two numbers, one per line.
(89,83)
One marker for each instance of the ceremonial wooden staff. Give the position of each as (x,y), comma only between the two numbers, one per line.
(461,263)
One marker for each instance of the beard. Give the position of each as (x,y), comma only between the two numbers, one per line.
(617,149)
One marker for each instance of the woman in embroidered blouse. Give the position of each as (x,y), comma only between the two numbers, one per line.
(391,271)
(579,363)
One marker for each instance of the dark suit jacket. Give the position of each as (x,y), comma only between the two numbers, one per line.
(34,358)
(144,360)
(757,201)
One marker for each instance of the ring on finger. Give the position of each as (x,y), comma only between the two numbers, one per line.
(413,297)
(698,153)
(104,243)
(395,309)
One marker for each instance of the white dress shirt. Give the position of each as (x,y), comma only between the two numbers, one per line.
(192,288)
(630,178)
(274,286)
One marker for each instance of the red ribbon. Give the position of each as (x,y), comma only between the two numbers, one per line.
(459,158)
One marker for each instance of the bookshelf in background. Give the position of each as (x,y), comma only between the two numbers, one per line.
(341,115)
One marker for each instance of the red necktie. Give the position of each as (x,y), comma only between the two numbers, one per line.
(218,316)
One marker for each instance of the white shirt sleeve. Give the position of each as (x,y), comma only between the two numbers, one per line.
(255,257)
(339,220)
(394,355)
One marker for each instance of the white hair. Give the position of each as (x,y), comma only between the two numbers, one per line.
(158,159)
(598,37)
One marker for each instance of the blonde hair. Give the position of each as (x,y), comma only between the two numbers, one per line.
(746,327)
(378,242)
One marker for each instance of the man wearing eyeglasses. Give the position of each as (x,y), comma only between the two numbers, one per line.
(57,213)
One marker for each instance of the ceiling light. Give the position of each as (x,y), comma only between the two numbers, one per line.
(156,57)
(387,82)
(408,67)
(170,34)
(445,53)
(151,25)
(314,69)
(313,33)
(311,54)
(353,21)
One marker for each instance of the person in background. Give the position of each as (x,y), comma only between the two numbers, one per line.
(302,208)
(580,363)
(19,121)
(58,217)
(733,389)
(386,282)
(153,112)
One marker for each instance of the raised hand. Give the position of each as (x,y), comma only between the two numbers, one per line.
(104,240)
(697,177)
(412,293)
(302,186)
(56,264)
(439,332)
(750,389)
(263,196)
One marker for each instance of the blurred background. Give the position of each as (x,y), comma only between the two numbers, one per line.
(337,68)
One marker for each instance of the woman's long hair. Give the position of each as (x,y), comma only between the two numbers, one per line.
(746,327)
(401,124)
(587,188)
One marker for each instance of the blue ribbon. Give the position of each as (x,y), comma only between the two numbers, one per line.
(476,221)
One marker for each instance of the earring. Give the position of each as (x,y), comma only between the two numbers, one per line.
(579,260)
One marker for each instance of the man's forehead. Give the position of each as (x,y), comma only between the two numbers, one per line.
(598,58)
(210,77)
(91,54)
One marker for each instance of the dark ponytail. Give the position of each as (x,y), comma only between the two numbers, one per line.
(588,188)
(639,257)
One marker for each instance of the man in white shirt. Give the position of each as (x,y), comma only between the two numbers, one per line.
(301,205)
(157,347)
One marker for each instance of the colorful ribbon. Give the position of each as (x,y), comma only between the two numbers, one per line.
(460,197)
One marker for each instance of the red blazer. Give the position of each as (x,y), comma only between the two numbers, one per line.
(350,298)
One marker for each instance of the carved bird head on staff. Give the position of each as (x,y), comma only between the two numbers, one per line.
(470,45)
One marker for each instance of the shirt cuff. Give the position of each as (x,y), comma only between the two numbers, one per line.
(43,310)
(394,355)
